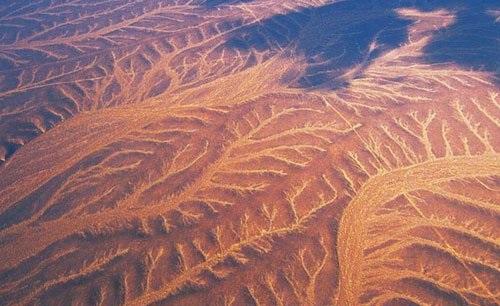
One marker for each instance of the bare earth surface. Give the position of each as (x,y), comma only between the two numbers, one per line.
(216,152)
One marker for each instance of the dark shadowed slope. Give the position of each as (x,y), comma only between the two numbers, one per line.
(472,41)
(215,3)
(338,46)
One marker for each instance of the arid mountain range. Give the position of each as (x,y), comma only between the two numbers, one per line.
(258,152)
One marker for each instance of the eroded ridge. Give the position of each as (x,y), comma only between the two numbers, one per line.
(219,161)
(216,228)
(373,239)
(248,153)
(59,59)
(411,235)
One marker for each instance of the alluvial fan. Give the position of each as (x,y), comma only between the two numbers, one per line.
(251,152)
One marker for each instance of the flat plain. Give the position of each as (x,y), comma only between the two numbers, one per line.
(295,152)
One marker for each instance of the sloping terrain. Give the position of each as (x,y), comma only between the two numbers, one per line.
(249,152)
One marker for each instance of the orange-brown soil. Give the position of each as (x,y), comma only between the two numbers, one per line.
(249,153)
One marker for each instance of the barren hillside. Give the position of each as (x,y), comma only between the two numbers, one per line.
(252,152)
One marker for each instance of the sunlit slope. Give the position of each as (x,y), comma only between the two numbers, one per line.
(310,154)
(61,58)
